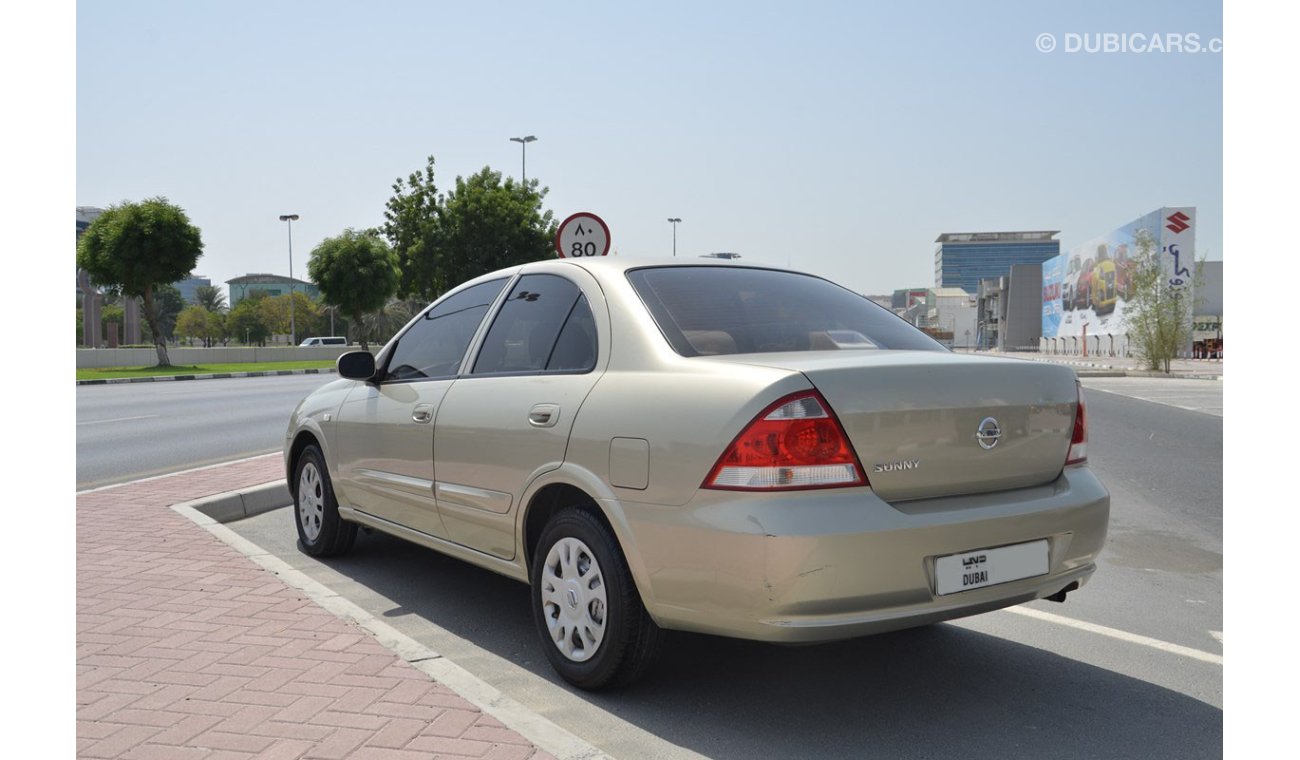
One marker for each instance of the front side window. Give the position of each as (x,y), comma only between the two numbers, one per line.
(545,325)
(705,311)
(436,343)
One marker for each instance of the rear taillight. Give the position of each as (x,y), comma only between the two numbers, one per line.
(794,443)
(1079,441)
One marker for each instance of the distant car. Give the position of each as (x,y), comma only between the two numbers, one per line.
(333,340)
(1069,282)
(1083,286)
(719,448)
(1104,290)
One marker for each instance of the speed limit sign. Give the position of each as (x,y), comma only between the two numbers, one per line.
(582,234)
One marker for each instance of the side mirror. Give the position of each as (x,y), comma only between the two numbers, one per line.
(356,365)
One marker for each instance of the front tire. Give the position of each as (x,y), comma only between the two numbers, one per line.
(589,616)
(321,532)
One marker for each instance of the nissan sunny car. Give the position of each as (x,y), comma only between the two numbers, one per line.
(719,448)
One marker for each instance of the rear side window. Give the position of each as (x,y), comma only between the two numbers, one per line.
(705,311)
(545,325)
(436,343)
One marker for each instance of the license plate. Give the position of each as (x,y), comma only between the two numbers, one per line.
(989,567)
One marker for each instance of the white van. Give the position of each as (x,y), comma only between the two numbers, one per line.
(333,340)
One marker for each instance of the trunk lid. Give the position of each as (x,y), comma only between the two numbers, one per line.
(915,418)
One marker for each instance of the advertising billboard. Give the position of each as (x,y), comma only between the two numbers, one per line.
(1086,288)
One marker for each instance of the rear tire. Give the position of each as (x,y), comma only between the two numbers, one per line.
(589,616)
(321,532)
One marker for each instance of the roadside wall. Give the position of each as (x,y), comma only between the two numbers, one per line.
(90,358)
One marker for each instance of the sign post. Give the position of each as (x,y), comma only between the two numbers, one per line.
(582,234)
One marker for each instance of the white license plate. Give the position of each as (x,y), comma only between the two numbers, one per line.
(989,567)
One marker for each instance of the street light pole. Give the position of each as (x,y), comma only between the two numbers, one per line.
(674,220)
(523,144)
(293,324)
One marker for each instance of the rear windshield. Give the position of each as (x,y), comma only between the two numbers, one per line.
(705,311)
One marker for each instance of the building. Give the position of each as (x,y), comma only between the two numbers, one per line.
(271,284)
(86,215)
(904,299)
(190,284)
(1086,290)
(1010,310)
(947,315)
(1207,319)
(962,259)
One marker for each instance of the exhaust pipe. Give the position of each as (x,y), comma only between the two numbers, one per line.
(1059,596)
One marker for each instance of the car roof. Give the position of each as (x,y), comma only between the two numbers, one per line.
(609,267)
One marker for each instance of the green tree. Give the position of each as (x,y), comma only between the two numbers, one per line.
(487,225)
(305,315)
(169,303)
(1158,313)
(244,321)
(384,322)
(193,323)
(112,314)
(482,225)
(135,248)
(218,328)
(357,272)
(411,226)
(211,298)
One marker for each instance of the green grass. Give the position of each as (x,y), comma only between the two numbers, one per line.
(105,373)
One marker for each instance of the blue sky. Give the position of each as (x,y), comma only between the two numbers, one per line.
(839,138)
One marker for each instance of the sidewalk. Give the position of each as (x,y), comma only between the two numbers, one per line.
(188,649)
(1195,369)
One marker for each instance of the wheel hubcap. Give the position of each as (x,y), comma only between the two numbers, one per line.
(573,599)
(311,501)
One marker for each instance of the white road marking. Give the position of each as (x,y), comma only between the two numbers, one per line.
(1218,636)
(1115,633)
(117,419)
(1212,410)
(160,476)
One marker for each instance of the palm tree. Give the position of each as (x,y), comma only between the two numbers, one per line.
(211,298)
(383,324)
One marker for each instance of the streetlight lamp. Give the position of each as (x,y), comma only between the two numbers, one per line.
(293,324)
(674,220)
(523,144)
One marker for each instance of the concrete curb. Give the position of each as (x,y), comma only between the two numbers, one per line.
(214,376)
(545,734)
(237,505)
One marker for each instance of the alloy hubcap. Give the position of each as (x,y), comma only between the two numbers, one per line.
(311,501)
(573,599)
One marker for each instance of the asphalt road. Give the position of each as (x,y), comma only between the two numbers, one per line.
(1128,667)
(133,430)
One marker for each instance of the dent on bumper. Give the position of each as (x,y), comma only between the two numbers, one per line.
(824,565)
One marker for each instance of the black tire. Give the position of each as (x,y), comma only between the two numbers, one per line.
(321,532)
(630,638)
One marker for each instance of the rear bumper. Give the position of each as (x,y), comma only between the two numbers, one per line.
(822,565)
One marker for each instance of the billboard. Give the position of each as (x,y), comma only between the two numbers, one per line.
(1086,288)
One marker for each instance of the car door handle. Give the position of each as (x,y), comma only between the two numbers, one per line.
(544,415)
(422,413)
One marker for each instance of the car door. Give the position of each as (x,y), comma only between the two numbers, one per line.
(508,419)
(385,428)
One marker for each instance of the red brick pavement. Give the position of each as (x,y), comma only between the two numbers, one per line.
(187,649)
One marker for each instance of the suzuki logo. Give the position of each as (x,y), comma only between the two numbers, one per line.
(1178,221)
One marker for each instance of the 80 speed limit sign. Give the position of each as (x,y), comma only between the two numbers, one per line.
(582,234)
